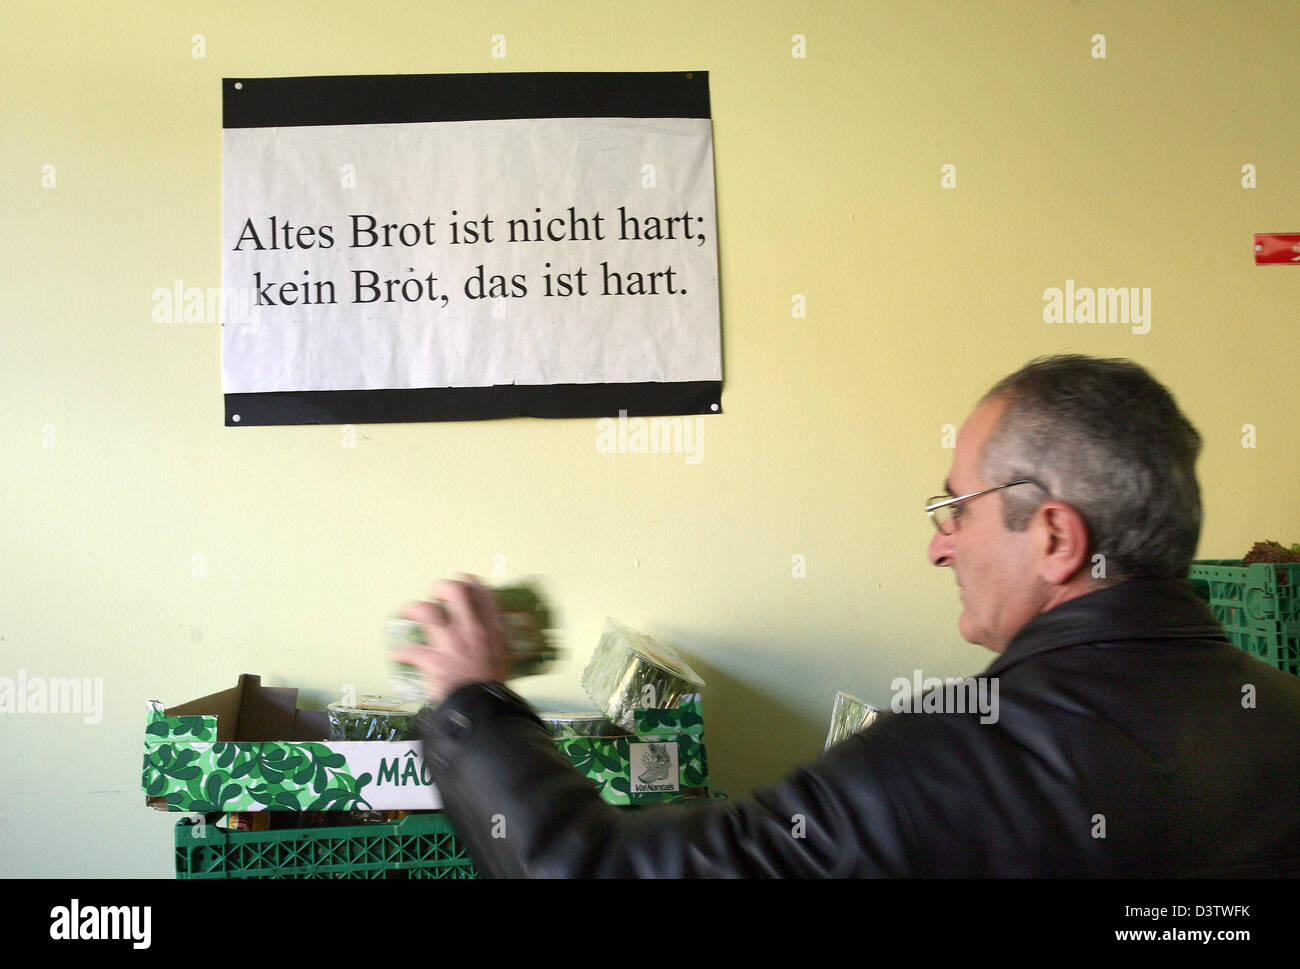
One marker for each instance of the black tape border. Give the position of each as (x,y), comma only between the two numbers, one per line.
(473,403)
(265,102)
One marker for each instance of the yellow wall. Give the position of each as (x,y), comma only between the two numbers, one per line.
(1123,171)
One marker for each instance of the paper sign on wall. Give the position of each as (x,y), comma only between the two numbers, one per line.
(458,247)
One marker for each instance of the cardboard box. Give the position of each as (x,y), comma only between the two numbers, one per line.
(250,749)
(664,760)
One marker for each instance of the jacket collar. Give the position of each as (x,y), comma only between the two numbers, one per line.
(1149,609)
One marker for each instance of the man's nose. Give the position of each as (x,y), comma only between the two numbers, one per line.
(940,550)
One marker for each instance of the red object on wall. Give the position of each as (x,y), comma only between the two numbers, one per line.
(1277,248)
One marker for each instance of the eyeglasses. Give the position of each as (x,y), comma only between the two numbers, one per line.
(945,512)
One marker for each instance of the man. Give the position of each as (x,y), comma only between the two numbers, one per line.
(1130,739)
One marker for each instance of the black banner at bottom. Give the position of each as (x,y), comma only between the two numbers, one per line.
(919,919)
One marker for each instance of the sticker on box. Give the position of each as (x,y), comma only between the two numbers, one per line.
(653,767)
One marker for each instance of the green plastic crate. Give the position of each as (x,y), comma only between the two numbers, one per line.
(1258,605)
(417,846)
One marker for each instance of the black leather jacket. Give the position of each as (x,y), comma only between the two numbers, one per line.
(1131,739)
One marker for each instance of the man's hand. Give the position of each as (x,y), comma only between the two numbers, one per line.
(467,643)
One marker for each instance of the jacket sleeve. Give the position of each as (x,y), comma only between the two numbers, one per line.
(522,810)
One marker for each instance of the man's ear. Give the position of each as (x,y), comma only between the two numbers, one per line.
(1064,542)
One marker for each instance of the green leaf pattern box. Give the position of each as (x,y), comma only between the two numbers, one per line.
(250,749)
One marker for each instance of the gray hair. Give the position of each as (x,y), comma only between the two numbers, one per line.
(1105,438)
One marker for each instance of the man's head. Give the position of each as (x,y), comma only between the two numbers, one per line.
(1113,494)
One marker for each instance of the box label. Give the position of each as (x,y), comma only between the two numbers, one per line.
(653,767)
